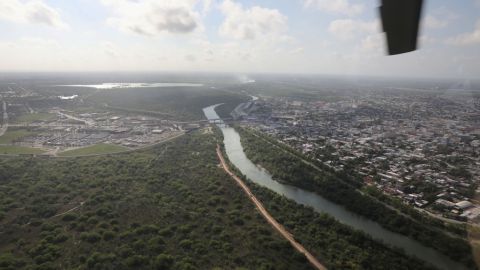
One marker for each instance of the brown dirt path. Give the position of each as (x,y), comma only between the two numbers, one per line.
(268,217)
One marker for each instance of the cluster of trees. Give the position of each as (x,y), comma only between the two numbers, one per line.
(336,245)
(339,187)
(340,246)
(184,103)
(170,207)
(454,228)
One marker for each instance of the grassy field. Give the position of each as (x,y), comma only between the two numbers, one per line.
(15,150)
(474,239)
(32,117)
(14,134)
(94,149)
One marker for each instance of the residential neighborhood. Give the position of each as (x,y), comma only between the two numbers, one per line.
(421,149)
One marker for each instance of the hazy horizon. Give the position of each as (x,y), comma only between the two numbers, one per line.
(186,76)
(340,37)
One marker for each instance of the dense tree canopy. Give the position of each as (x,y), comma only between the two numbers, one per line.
(169,207)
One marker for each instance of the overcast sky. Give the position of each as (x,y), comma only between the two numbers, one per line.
(292,36)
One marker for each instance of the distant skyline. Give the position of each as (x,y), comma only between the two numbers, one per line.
(340,37)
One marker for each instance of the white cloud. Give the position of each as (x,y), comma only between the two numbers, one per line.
(150,17)
(343,7)
(472,38)
(373,43)
(249,24)
(298,50)
(347,28)
(35,42)
(433,22)
(207,5)
(438,18)
(427,40)
(110,49)
(190,58)
(33,12)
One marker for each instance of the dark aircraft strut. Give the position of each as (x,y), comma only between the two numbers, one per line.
(400,21)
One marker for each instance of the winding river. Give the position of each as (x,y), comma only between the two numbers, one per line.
(412,247)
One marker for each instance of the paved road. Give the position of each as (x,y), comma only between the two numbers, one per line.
(126,151)
(4,127)
(87,122)
(269,218)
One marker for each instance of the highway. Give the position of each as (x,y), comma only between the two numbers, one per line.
(4,127)
(87,122)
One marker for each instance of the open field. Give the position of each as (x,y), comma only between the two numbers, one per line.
(93,150)
(32,117)
(11,135)
(474,238)
(15,150)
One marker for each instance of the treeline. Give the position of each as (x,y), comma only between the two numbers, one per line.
(340,246)
(169,207)
(340,188)
(336,245)
(183,103)
(457,229)
(352,178)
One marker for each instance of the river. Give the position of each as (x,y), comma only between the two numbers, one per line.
(237,156)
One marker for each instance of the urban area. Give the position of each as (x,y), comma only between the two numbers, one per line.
(34,124)
(420,148)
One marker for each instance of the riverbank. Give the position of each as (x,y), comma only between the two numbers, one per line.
(288,236)
(384,252)
(337,245)
(331,186)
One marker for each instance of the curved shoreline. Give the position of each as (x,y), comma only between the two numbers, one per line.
(288,236)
